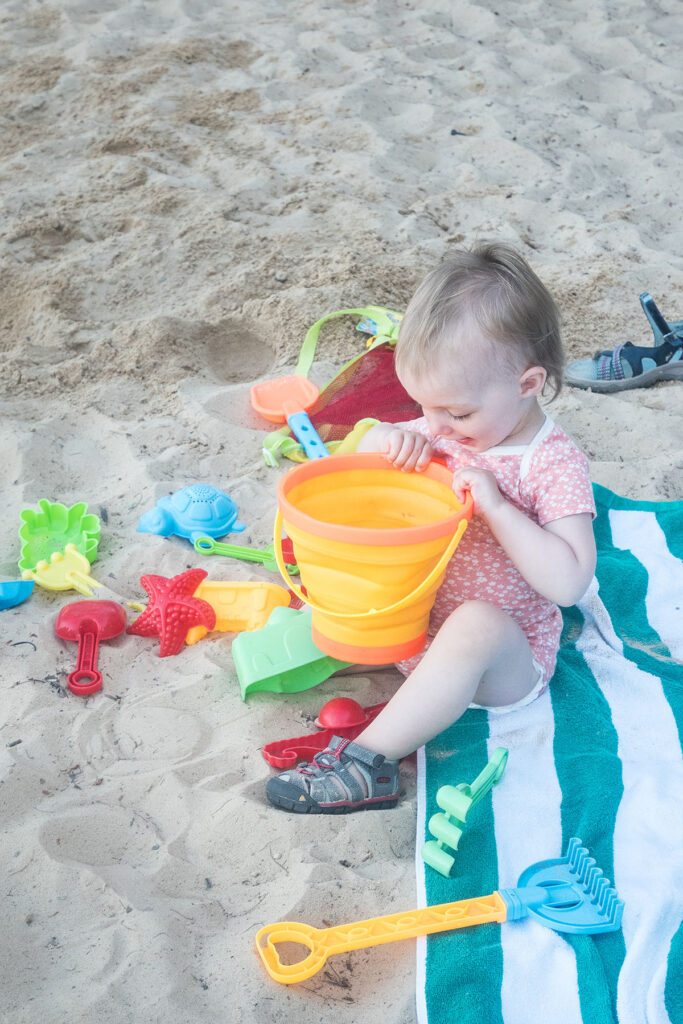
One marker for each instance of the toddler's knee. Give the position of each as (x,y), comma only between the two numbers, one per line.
(478,615)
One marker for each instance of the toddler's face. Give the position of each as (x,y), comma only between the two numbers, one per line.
(477,407)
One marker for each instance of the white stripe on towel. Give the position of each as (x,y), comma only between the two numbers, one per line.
(528,829)
(640,533)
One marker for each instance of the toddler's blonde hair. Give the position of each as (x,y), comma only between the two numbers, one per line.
(494,287)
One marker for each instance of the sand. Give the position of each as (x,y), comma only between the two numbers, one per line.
(187,186)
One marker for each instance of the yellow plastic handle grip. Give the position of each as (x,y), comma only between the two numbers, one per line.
(408,599)
(322,942)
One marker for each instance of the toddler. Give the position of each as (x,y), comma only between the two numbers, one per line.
(479,342)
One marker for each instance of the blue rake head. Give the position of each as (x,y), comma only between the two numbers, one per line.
(568,894)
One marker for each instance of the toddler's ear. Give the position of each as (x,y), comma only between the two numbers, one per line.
(531,382)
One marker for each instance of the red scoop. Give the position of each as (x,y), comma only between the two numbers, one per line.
(88,622)
(287,753)
(341,713)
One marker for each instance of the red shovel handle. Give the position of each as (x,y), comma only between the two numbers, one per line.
(86,679)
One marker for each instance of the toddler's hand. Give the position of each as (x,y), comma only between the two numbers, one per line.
(408,450)
(483,486)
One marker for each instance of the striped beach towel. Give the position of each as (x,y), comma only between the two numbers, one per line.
(597,756)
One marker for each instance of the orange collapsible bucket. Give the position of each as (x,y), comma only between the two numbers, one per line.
(372,544)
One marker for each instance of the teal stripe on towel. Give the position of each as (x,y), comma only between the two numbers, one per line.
(669,515)
(468,963)
(589,773)
(673,990)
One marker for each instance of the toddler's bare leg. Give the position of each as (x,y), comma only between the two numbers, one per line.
(480,654)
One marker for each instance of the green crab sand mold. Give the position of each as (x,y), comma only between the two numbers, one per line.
(55,526)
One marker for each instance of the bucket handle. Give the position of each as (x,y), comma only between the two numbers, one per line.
(414,595)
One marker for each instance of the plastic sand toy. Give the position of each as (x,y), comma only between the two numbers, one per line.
(88,622)
(69,570)
(287,753)
(196,511)
(372,544)
(567,894)
(13,592)
(457,801)
(266,556)
(286,400)
(281,657)
(173,610)
(343,713)
(238,606)
(53,529)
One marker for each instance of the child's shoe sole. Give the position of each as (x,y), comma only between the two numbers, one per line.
(303,804)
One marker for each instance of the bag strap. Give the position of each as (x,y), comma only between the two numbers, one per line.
(382,323)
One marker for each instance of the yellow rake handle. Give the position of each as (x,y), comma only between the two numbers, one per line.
(323,942)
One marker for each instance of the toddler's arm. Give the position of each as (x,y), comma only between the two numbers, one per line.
(405,448)
(557,560)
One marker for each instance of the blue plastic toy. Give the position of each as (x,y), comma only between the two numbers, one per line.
(196,511)
(14,592)
(457,802)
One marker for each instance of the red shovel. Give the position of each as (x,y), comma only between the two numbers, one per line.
(88,622)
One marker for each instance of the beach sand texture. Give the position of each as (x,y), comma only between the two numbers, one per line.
(187,186)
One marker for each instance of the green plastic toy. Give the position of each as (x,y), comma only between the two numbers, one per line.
(457,801)
(266,556)
(50,530)
(281,657)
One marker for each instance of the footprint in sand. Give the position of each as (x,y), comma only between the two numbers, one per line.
(143,732)
(229,351)
(99,836)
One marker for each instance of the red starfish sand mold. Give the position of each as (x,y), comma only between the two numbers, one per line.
(172,610)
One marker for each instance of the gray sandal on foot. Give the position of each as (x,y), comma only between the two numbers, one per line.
(632,366)
(345,777)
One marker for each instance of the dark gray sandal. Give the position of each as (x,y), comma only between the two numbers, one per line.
(344,777)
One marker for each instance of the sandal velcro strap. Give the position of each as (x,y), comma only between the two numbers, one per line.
(610,366)
(338,746)
(662,330)
(359,753)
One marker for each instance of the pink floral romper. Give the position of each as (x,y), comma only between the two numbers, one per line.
(546,479)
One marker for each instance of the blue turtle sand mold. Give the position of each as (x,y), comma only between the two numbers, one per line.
(199,510)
